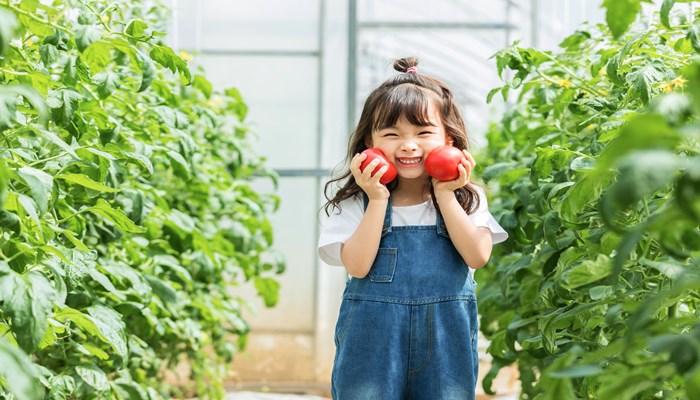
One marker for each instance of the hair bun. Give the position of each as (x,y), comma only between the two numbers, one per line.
(403,64)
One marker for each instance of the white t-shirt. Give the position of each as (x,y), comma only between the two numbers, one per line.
(340,225)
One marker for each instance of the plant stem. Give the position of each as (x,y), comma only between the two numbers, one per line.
(11,72)
(65,153)
(35,17)
(572,74)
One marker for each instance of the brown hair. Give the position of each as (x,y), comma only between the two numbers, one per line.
(409,95)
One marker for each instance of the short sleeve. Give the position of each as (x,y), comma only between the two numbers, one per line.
(338,228)
(482,217)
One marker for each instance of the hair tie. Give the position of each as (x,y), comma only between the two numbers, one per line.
(411,70)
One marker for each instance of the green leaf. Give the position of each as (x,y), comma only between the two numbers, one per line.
(583,193)
(692,383)
(85,35)
(181,222)
(180,165)
(165,291)
(268,289)
(40,185)
(62,386)
(675,107)
(19,373)
(627,245)
(53,138)
(4,175)
(58,38)
(615,63)
(93,376)
(8,26)
(115,216)
(670,268)
(141,159)
(107,82)
(112,328)
(665,10)
(9,222)
(105,325)
(98,55)
(204,86)
(643,132)
(84,180)
(557,388)
(166,57)
(549,159)
(588,271)
(577,371)
(29,206)
(95,351)
(28,300)
(148,71)
(239,107)
(643,79)
(620,14)
(9,104)
(63,104)
(626,387)
(642,173)
(492,93)
(693,34)
(49,54)
(138,29)
(600,292)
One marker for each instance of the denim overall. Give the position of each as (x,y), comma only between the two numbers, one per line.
(408,330)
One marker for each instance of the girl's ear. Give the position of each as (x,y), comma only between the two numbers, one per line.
(368,142)
(449,140)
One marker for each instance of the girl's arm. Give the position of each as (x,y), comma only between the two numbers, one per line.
(473,243)
(359,252)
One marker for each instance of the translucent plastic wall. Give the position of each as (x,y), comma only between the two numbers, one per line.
(305,67)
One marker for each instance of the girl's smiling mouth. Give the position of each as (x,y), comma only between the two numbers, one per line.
(409,161)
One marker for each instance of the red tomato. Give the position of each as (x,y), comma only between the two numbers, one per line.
(442,163)
(373,153)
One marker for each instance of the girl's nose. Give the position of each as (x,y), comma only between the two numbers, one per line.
(409,145)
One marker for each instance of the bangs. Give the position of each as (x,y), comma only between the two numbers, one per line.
(407,100)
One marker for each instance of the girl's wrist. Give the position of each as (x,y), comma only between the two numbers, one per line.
(379,201)
(444,196)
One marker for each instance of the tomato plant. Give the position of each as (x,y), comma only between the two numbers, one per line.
(595,171)
(127,216)
(373,154)
(442,163)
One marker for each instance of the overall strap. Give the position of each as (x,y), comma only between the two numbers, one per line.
(440,224)
(386,228)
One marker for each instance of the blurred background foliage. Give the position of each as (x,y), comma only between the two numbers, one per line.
(596,175)
(126,212)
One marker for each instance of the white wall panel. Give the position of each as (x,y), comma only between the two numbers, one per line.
(281,93)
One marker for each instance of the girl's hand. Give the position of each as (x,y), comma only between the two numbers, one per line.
(465,167)
(370,184)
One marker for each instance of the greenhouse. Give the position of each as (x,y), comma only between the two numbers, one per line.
(183,214)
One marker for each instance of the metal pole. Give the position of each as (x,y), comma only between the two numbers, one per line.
(507,27)
(352,63)
(319,184)
(535,22)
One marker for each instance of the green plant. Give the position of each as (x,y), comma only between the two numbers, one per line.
(596,176)
(126,211)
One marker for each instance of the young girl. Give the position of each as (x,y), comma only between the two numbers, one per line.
(407,326)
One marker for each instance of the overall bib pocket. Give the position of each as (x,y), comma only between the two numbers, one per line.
(384,265)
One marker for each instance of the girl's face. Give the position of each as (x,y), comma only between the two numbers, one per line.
(407,145)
